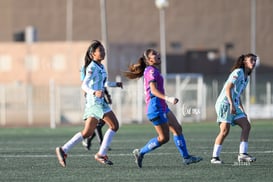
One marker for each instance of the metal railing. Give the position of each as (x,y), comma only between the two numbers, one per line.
(52,105)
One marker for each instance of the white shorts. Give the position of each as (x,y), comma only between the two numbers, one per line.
(95,107)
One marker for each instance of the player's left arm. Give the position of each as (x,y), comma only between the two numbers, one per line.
(114,84)
(107,96)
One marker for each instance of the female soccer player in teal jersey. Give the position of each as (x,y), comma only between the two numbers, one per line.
(157,110)
(230,110)
(98,130)
(96,107)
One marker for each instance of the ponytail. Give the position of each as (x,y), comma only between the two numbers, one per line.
(136,70)
(239,63)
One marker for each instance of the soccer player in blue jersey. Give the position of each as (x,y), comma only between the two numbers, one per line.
(96,107)
(230,110)
(157,110)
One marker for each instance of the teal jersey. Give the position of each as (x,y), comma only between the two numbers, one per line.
(95,78)
(237,77)
(82,73)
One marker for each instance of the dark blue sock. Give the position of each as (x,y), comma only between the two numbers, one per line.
(181,145)
(151,145)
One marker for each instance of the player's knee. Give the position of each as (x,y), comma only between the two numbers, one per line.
(115,127)
(86,134)
(247,127)
(224,133)
(163,139)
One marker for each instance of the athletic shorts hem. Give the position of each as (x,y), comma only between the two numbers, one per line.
(242,115)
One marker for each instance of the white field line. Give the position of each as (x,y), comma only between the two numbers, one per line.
(128,154)
(189,140)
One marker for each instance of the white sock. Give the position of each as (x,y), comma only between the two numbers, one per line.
(73,141)
(107,139)
(216,150)
(243,147)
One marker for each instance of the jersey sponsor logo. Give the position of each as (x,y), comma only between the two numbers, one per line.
(151,71)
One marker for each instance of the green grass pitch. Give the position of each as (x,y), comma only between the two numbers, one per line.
(28,154)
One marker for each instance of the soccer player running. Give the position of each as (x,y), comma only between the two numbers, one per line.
(230,110)
(98,130)
(157,110)
(96,107)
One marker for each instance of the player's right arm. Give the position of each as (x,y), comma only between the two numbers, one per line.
(229,88)
(160,95)
(88,84)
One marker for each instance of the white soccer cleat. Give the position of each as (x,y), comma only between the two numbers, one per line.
(61,156)
(103,159)
(246,158)
(216,160)
(84,143)
(138,158)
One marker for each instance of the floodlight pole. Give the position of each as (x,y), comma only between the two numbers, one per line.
(69,20)
(253,49)
(163,42)
(104,34)
(161,5)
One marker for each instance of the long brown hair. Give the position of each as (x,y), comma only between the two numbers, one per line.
(239,63)
(88,55)
(136,70)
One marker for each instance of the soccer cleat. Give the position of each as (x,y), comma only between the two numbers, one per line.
(61,156)
(192,159)
(84,143)
(246,158)
(87,143)
(216,160)
(103,159)
(138,158)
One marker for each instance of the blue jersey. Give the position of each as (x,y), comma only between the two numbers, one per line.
(237,77)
